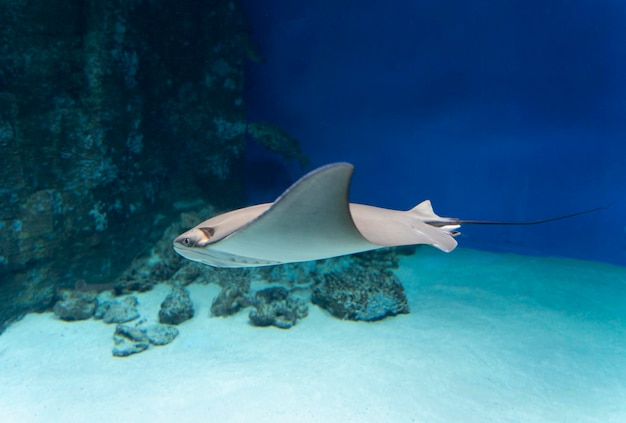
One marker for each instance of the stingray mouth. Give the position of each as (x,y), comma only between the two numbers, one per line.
(217,258)
(190,252)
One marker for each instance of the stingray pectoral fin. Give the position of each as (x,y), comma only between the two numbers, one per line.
(309,221)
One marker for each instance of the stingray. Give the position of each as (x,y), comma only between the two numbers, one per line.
(313,220)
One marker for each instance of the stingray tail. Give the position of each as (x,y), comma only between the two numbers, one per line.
(531,222)
(425,211)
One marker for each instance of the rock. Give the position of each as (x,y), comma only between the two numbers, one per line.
(131,333)
(82,285)
(112,311)
(229,301)
(309,273)
(124,348)
(132,340)
(367,295)
(160,334)
(189,273)
(177,307)
(75,305)
(275,307)
(129,340)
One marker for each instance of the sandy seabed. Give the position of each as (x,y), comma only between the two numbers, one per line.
(490,338)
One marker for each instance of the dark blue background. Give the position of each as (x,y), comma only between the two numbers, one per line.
(503,110)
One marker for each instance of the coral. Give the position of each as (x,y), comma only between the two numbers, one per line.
(177,307)
(278,140)
(275,307)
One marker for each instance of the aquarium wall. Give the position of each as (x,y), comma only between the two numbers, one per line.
(113,116)
(493,110)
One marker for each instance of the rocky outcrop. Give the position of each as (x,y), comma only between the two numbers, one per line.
(129,340)
(230,300)
(367,294)
(113,311)
(75,305)
(108,110)
(275,307)
(177,307)
(160,334)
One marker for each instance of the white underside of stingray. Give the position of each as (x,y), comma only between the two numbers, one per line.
(311,220)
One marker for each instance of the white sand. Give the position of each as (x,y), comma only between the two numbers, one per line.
(491,338)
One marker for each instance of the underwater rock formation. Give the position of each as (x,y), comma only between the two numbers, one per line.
(177,307)
(108,110)
(358,287)
(278,140)
(83,286)
(75,305)
(308,273)
(365,277)
(130,340)
(113,311)
(114,120)
(275,307)
(159,264)
(230,300)
(160,334)
(369,294)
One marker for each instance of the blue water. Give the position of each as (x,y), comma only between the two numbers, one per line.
(494,110)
